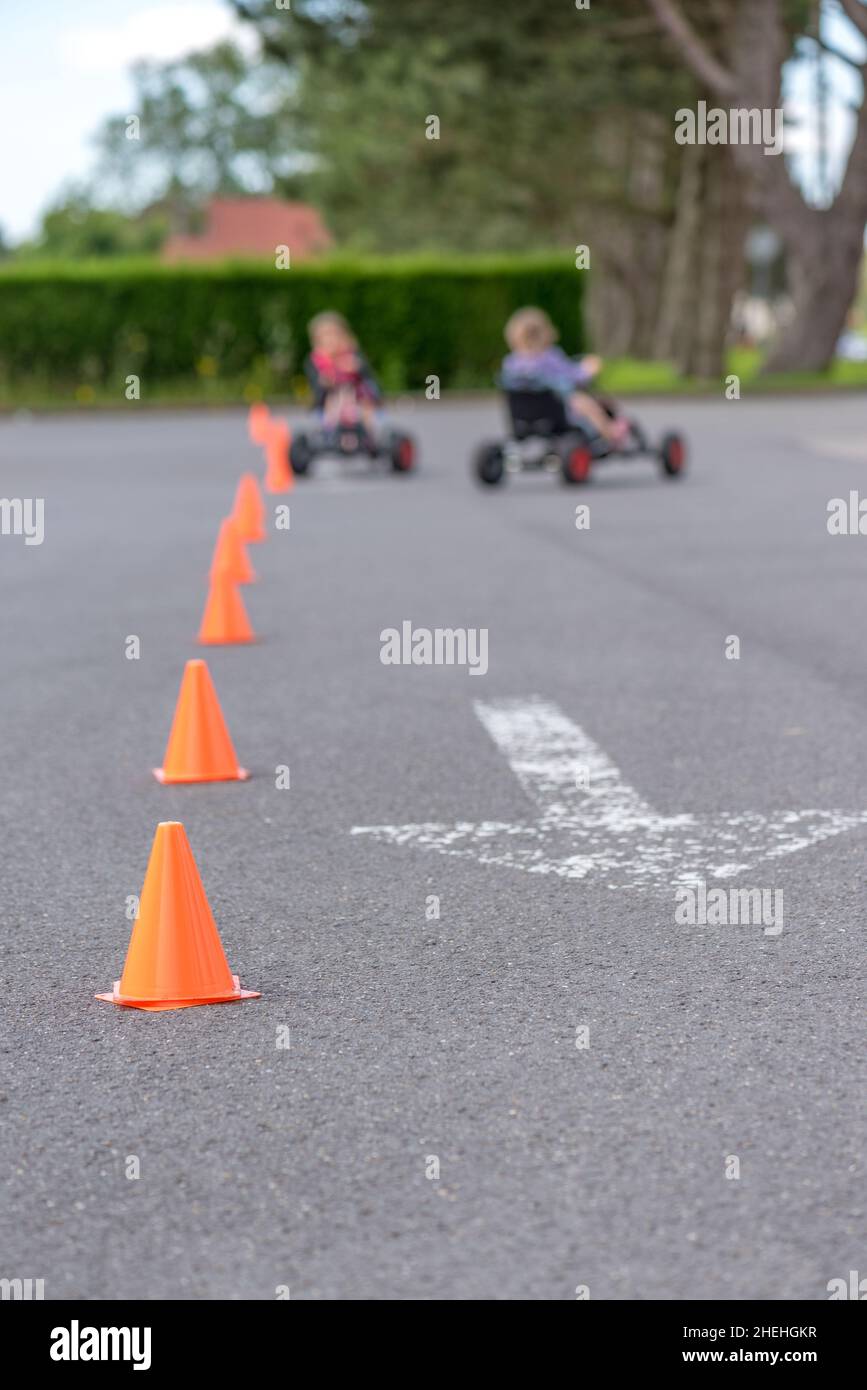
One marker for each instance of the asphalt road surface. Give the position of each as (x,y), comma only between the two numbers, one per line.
(416,1038)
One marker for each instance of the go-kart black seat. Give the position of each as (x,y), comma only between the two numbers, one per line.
(536,412)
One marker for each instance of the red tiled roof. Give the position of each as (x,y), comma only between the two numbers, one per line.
(252,227)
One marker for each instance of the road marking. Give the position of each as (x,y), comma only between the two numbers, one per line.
(589,820)
(849,447)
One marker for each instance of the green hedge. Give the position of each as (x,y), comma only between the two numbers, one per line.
(84,328)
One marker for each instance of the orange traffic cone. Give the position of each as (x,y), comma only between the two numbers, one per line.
(224,620)
(199,747)
(258,422)
(230,554)
(248,512)
(175,957)
(278,475)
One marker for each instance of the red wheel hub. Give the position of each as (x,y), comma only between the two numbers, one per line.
(579,465)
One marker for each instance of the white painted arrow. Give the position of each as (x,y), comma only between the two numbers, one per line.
(591,821)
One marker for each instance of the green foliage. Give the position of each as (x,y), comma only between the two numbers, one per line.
(89,326)
(75,230)
(214,122)
(535,104)
(626,377)
(520,89)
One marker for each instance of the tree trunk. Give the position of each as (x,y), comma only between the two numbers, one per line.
(673,339)
(824,247)
(721,264)
(646,280)
(629,255)
(824,282)
(630,229)
(705,264)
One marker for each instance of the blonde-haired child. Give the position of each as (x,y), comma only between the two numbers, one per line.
(338,372)
(536,363)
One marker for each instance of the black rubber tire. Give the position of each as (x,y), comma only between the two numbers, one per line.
(489,464)
(673,455)
(300,455)
(402,452)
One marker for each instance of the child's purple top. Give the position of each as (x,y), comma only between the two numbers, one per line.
(550,370)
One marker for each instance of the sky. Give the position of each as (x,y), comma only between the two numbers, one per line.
(801,142)
(64,67)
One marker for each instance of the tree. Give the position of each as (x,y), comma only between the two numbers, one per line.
(210,123)
(824,245)
(440,124)
(549,130)
(73,229)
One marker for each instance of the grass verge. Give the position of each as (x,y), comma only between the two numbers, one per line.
(621,377)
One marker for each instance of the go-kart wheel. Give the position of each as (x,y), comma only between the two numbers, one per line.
(672,455)
(402,453)
(489,465)
(300,454)
(576,461)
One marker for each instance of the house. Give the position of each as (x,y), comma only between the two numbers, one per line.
(252,227)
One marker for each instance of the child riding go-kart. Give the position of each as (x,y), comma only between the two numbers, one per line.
(348,436)
(543,438)
(347,399)
(556,423)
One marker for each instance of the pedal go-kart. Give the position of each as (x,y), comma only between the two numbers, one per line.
(349,437)
(543,439)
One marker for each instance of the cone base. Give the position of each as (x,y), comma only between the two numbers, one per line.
(160,1005)
(240,775)
(225,641)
